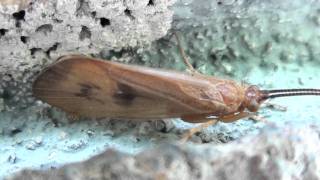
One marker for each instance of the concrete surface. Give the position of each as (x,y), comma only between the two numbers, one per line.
(293,155)
(269,43)
(35,32)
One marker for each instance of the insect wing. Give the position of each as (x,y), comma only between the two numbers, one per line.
(95,88)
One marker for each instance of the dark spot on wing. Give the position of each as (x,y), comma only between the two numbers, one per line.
(124,95)
(87,90)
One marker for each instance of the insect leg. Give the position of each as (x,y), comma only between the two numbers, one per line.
(194,130)
(184,56)
(212,121)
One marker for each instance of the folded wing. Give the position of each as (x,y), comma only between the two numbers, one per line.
(95,88)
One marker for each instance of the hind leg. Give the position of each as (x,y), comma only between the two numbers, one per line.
(194,130)
(203,118)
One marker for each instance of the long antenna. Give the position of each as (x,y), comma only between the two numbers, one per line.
(268,94)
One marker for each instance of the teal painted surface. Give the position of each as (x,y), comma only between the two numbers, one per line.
(272,49)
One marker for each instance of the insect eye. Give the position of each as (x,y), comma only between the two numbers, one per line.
(253,106)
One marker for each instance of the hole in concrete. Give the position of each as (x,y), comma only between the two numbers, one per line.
(19,16)
(112,53)
(52,48)
(15,131)
(3,32)
(219,2)
(104,22)
(214,57)
(6,94)
(24,39)
(93,14)
(46,28)
(34,50)
(128,13)
(225,57)
(84,33)
(57,20)
(150,3)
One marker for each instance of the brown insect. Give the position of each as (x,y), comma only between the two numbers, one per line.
(95,88)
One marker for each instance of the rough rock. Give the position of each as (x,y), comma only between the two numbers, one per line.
(33,33)
(273,155)
(266,42)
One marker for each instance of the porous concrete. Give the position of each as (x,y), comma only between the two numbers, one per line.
(34,33)
(287,154)
(269,43)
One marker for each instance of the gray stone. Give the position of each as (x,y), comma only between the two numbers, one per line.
(33,33)
(281,154)
(269,43)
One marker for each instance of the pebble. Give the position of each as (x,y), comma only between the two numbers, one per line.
(90,132)
(77,145)
(33,144)
(63,135)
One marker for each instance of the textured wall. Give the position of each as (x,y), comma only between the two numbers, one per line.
(34,33)
(274,44)
(290,157)
(220,35)
(269,32)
